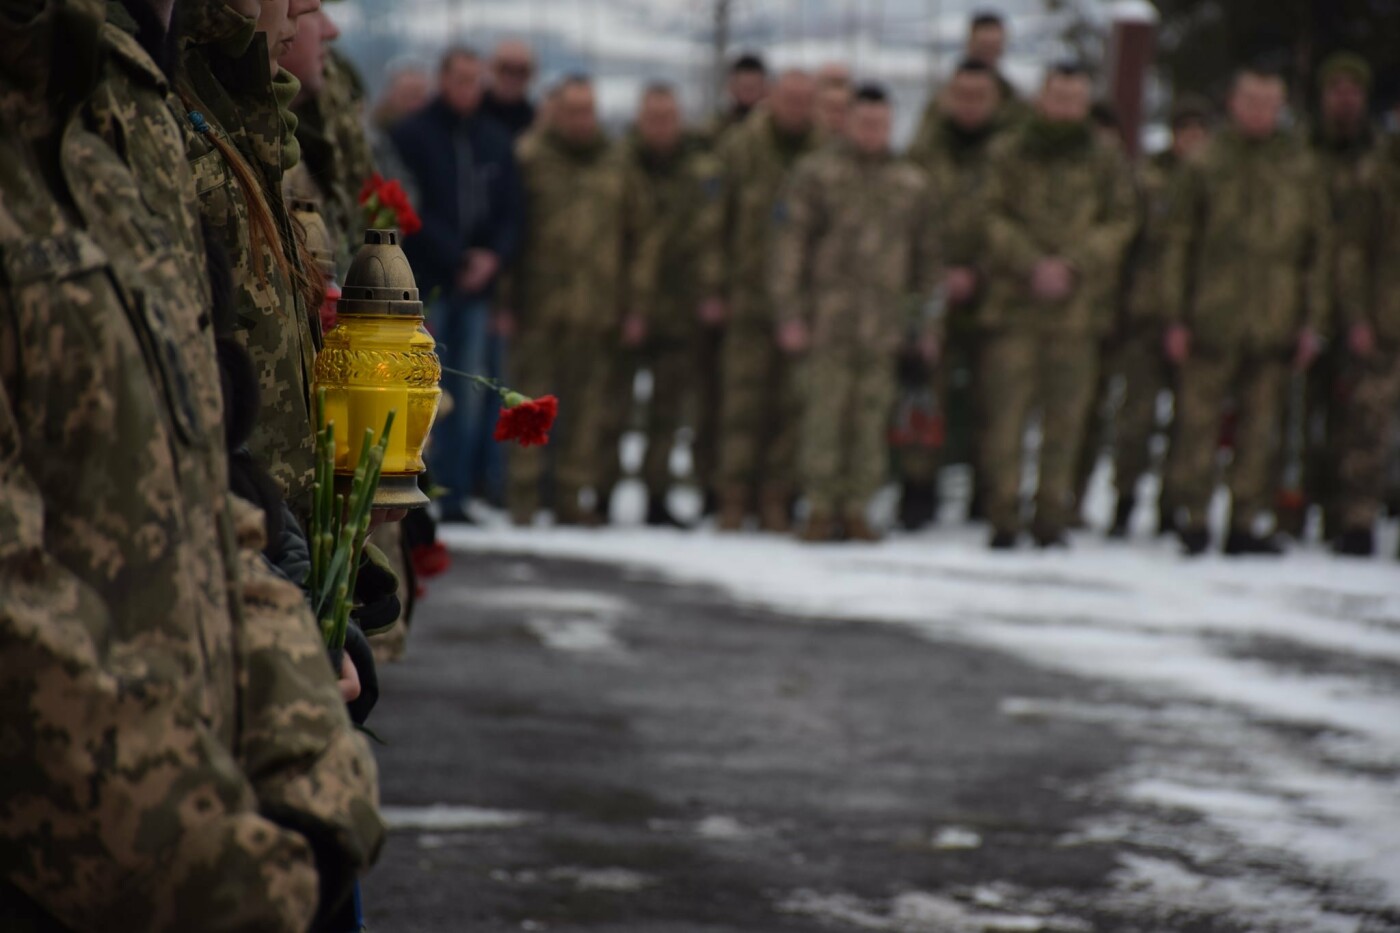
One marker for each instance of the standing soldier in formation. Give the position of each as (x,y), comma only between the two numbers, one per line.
(566,291)
(853,268)
(1060,213)
(1138,354)
(834,98)
(1363,379)
(952,150)
(175,642)
(1243,280)
(759,419)
(674,199)
(747,88)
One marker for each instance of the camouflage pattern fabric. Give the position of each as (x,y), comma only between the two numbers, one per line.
(760,417)
(279,333)
(567,288)
(1244,268)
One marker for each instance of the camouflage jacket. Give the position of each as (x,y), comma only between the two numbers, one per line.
(569,271)
(1056,192)
(335,158)
(135,791)
(1155,187)
(956,164)
(855,250)
(1246,234)
(228,83)
(756,161)
(1382,297)
(1354,178)
(673,208)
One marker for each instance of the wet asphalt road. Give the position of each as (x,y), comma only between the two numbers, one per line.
(669,762)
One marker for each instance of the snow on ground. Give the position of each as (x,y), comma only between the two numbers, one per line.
(1266,694)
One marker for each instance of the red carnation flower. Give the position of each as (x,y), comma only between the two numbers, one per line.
(527,421)
(385,202)
(371,186)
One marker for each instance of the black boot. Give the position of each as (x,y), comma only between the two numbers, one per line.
(917,506)
(976,506)
(1355,542)
(659,515)
(1241,543)
(1122,517)
(1049,536)
(1194,541)
(1166,518)
(1003,541)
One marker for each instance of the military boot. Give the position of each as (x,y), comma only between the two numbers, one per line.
(1122,518)
(774,510)
(1048,536)
(858,528)
(659,514)
(1355,542)
(1240,543)
(733,506)
(918,506)
(820,529)
(1194,541)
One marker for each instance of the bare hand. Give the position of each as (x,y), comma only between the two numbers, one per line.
(793,337)
(930,349)
(1309,346)
(712,312)
(379,517)
(1361,339)
(478,269)
(503,324)
(349,682)
(1176,344)
(634,330)
(1052,279)
(960,282)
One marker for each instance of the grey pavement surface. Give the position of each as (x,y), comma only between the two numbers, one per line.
(627,754)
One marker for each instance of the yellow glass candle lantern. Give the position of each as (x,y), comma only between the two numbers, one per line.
(377,358)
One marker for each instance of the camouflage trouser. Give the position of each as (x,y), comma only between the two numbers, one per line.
(676,383)
(617,416)
(759,427)
(707,353)
(1362,439)
(1256,382)
(1054,372)
(844,456)
(575,364)
(1146,375)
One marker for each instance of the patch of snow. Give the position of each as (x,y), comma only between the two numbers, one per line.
(723,828)
(580,636)
(443,817)
(615,880)
(956,837)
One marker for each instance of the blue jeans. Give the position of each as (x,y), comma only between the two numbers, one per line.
(463,456)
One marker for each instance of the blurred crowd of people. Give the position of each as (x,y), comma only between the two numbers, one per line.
(809,302)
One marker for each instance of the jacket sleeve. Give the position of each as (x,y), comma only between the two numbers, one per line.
(1326,244)
(927,266)
(161,827)
(438,243)
(1010,250)
(510,214)
(1182,232)
(641,247)
(309,769)
(1099,255)
(707,229)
(797,219)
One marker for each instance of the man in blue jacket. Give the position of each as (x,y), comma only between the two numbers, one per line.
(463,171)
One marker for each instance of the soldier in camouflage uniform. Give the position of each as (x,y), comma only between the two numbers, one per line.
(242,104)
(952,150)
(335,152)
(759,418)
(1061,211)
(1356,385)
(674,202)
(747,88)
(566,290)
(1137,356)
(129,615)
(1242,280)
(854,264)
